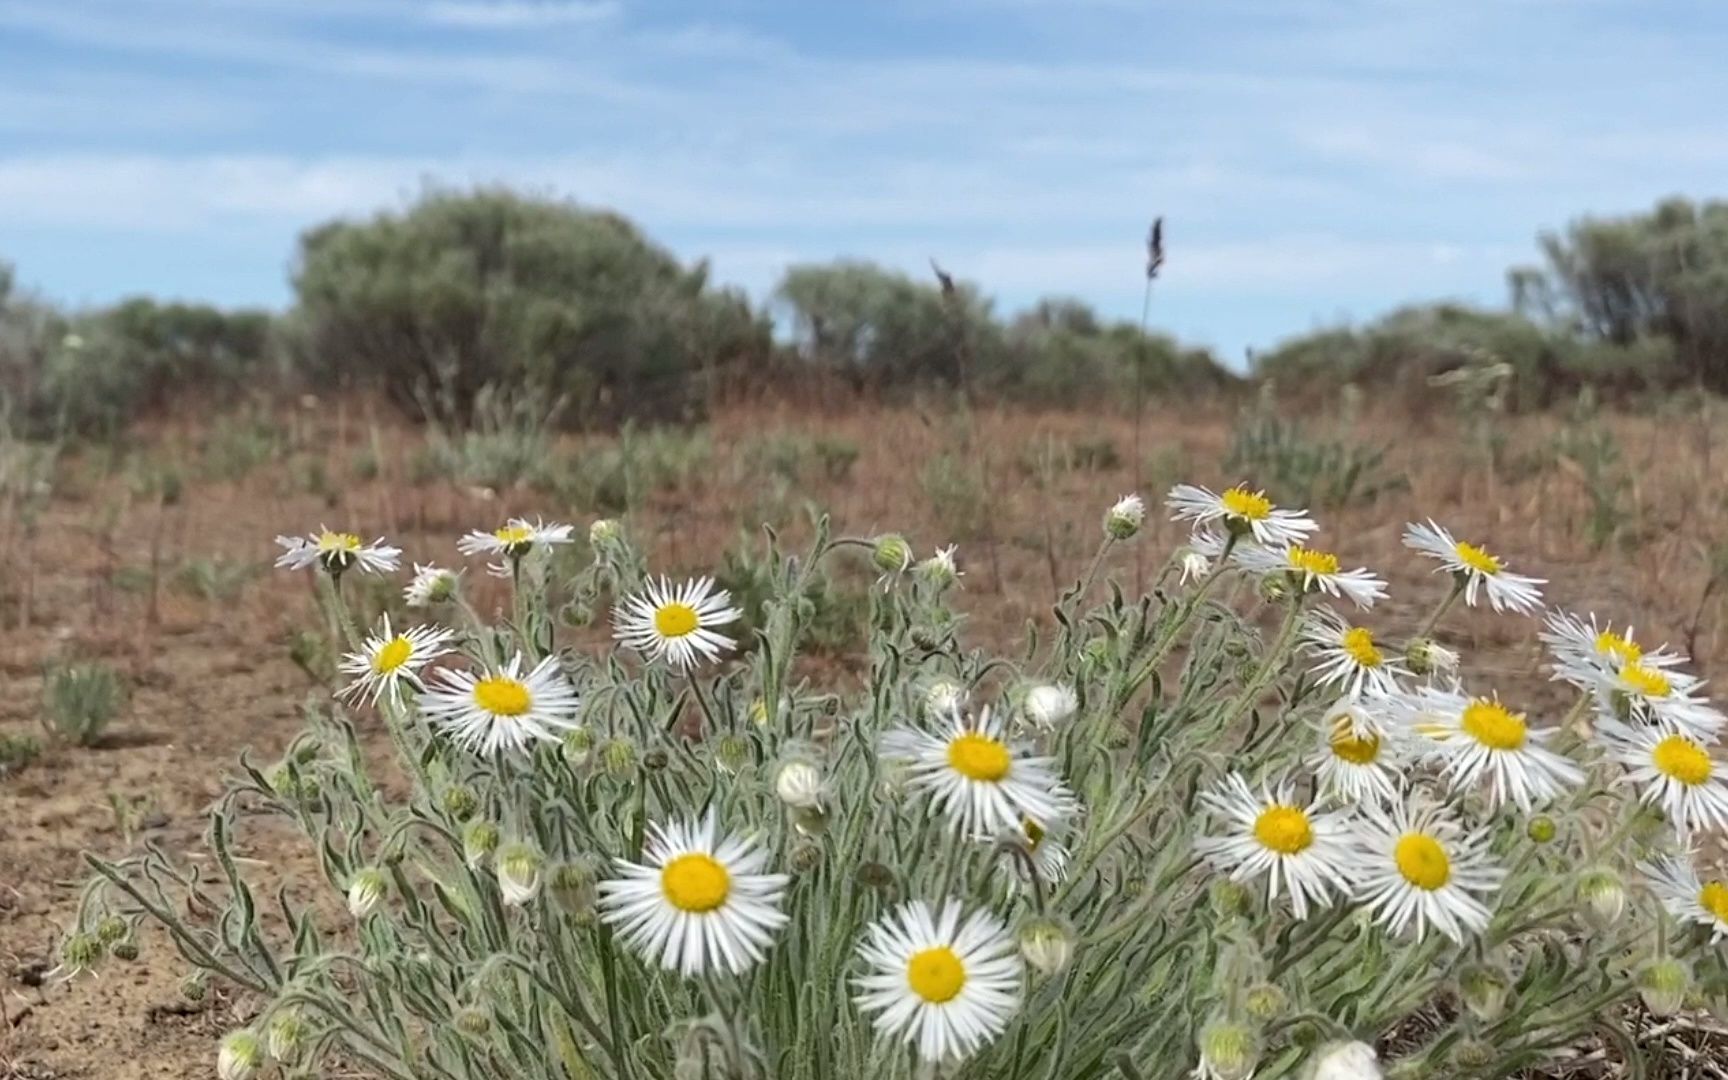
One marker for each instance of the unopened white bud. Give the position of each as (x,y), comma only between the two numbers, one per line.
(1125,518)
(1195,566)
(799,785)
(1345,1061)
(1047,706)
(1228,1050)
(604,532)
(239,1056)
(366,891)
(1663,984)
(944,698)
(1601,896)
(519,873)
(940,569)
(286,1035)
(1047,945)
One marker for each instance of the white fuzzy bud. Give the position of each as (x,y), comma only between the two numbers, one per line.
(1345,1061)
(1047,946)
(799,785)
(1048,706)
(519,873)
(1125,518)
(239,1056)
(366,892)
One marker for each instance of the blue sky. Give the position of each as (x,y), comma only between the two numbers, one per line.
(1317,160)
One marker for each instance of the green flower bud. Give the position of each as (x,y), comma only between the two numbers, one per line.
(1471,1054)
(1541,829)
(732,752)
(1228,1050)
(891,554)
(810,821)
(656,759)
(1230,899)
(479,839)
(1484,989)
(194,986)
(578,746)
(518,866)
(1601,897)
(1048,946)
(460,802)
(874,875)
(618,758)
(806,856)
(1124,518)
(1265,1002)
(286,1035)
(473,1021)
(111,929)
(240,1056)
(1424,656)
(1274,589)
(1662,984)
(366,891)
(572,886)
(939,569)
(80,953)
(281,781)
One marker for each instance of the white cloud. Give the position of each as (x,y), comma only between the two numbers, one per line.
(519,14)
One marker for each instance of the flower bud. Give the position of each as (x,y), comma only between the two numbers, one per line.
(281,780)
(604,533)
(1048,706)
(656,759)
(1274,588)
(939,569)
(618,758)
(460,802)
(874,875)
(1471,1054)
(519,873)
(1047,945)
(1228,1050)
(366,890)
(1230,899)
(287,1035)
(1662,984)
(479,839)
(1602,896)
(810,821)
(80,953)
(891,554)
(473,1021)
(239,1056)
(799,785)
(430,585)
(1265,1002)
(759,713)
(1425,656)
(1484,989)
(1542,829)
(578,746)
(112,928)
(806,856)
(1124,519)
(1344,1061)
(943,698)
(572,887)
(732,752)
(194,986)
(124,950)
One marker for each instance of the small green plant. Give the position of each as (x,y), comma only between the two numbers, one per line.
(831,617)
(214,578)
(954,486)
(1296,468)
(1051,454)
(80,701)
(506,442)
(794,456)
(239,444)
(621,476)
(1586,447)
(17,751)
(129,813)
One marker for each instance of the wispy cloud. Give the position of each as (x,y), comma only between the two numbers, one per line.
(520,14)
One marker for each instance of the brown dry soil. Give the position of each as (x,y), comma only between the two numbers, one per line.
(92,577)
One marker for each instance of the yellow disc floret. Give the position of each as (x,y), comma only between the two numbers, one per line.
(1284,829)
(695,883)
(1422,861)
(979,757)
(501,695)
(937,975)
(1494,726)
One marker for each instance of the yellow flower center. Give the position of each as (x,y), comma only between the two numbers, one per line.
(1283,829)
(978,757)
(1477,559)
(1359,643)
(1422,861)
(1248,505)
(335,541)
(1646,681)
(1713,897)
(513,535)
(675,620)
(936,975)
(1494,726)
(695,883)
(1357,751)
(1311,562)
(1679,758)
(1618,647)
(392,655)
(501,695)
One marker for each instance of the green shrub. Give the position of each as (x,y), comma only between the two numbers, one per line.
(17,751)
(80,701)
(466,290)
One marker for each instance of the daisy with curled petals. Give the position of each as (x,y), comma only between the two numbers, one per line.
(676,624)
(1673,771)
(1583,652)
(699,902)
(1310,570)
(946,985)
(431,585)
(499,708)
(1653,695)
(388,660)
(1477,570)
(1419,865)
(1355,761)
(1301,850)
(1047,853)
(514,540)
(1349,657)
(979,780)
(1243,512)
(336,552)
(1688,897)
(1476,738)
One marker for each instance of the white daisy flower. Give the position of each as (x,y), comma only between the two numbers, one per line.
(499,708)
(1584,651)
(389,659)
(1349,658)
(1422,866)
(1355,761)
(1300,849)
(1687,897)
(1478,738)
(336,552)
(1480,571)
(1672,771)
(676,624)
(976,777)
(945,986)
(1667,698)
(1311,571)
(514,539)
(431,585)
(1242,511)
(699,902)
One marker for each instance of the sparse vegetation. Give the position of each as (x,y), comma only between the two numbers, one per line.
(80,701)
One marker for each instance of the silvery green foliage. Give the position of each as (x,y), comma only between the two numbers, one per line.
(1140,956)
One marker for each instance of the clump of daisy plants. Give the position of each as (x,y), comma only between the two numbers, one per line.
(1234,827)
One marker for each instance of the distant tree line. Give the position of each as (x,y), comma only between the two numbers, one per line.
(576,308)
